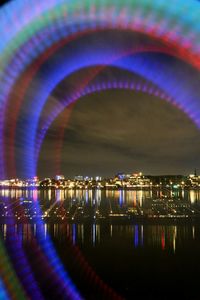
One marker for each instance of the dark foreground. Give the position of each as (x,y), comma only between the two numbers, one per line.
(139,261)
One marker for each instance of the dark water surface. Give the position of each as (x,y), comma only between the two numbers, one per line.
(139,261)
(150,261)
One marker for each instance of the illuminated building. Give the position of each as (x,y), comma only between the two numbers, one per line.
(59,177)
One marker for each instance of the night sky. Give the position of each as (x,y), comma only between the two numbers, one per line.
(123,131)
(144,134)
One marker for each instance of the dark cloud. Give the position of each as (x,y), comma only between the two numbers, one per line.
(125,131)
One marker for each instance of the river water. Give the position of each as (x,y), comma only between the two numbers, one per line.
(138,261)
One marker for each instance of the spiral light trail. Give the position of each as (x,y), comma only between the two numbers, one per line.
(39,49)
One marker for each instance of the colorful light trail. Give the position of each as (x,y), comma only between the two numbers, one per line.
(39,49)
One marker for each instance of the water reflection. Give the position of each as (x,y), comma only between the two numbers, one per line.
(132,197)
(95,204)
(112,248)
(166,238)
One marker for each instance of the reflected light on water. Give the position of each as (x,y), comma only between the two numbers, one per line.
(143,236)
(95,202)
(193,197)
(163,240)
(174,238)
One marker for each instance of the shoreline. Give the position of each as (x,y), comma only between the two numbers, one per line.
(101,189)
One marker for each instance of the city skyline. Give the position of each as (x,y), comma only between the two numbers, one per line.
(117,181)
(99,175)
